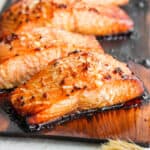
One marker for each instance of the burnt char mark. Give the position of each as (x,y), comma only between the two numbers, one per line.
(21,98)
(1,39)
(76,88)
(45,95)
(17,55)
(62,82)
(62,6)
(93,10)
(59,6)
(23,124)
(27,8)
(37,49)
(80,114)
(22,103)
(8,39)
(6,91)
(107,77)
(118,71)
(33,97)
(85,54)
(124,77)
(56,63)
(85,67)
(74,52)
(27,20)
(120,36)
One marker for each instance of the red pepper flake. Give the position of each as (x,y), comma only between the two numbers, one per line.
(22,103)
(21,98)
(17,55)
(37,49)
(62,82)
(124,77)
(118,71)
(85,66)
(74,52)
(76,88)
(61,6)
(93,10)
(33,97)
(45,95)
(10,38)
(27,20)
(107,77)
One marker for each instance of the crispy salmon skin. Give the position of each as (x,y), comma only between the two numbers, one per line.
(80,81)
(77,17)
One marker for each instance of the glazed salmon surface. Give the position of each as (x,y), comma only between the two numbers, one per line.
(96,2)
(33,38)
(107,2)
(77,17)
(80,81)
(20,68)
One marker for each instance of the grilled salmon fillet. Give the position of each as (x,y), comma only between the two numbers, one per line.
(36,38)
(96,2)
(80,81)
(107,2)
(19,68)
(77,17)
(25,53)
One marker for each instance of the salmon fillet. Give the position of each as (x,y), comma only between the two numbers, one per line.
(36,38)
(19,68)
(77,17)
(80,81)
(107,2)
(24,54)
(96,2)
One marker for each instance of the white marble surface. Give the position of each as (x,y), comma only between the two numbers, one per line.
(1,3)
(44,144)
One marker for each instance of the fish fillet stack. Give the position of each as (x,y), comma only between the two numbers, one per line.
(49,54)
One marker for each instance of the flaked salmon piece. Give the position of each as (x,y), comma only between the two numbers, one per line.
(20,68)
(80,81)
(33,38)
(77,17)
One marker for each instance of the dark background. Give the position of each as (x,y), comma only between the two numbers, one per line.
(138,44)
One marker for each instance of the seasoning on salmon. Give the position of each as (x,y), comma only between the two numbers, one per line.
(80,81)
(107,2)
(19,69)
(40,38)
(96,2)
(77,17)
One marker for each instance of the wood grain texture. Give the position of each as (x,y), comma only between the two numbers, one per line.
(127,124)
